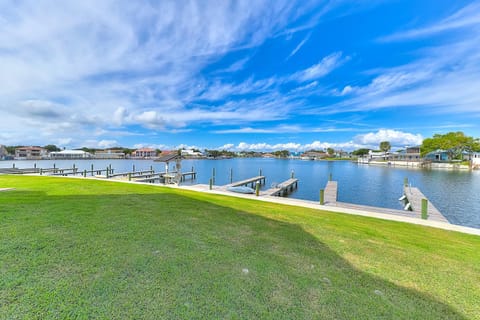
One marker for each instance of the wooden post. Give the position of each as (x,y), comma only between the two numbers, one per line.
(231,175)
(151,168)
(133,168)
(322,197)
(211,183)
(257,189)
(292,174)
(14,166)
(107,172)
(73,167)
(92,169)
(41,171)
(35,165)
(129,176)
(213,175)
(85,173)
(405,182)
(424,209)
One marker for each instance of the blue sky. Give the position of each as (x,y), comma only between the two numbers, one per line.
(239,75)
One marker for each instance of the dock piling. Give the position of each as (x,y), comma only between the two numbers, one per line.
(322,196)
(231,175)
(257,189)
(424,209)
(211,183)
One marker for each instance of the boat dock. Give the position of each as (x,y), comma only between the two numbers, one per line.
(331,193)
(283,188)
(415,197)
(252,181)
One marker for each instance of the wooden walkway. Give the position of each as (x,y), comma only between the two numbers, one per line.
(282,188)
(331,192)
(246,182)
(415,196)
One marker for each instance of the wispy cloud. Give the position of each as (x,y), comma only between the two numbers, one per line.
(87,60)
(466,17)
(299,46)
(321,69)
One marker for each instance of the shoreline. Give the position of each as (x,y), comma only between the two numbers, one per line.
(203,188)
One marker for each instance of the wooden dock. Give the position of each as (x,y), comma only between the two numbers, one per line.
(331,192)
(283,188)
(414,196)
(132,174)
(246,182)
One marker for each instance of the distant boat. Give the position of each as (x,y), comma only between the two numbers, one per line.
(241,189)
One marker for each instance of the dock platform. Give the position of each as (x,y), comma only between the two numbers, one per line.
(415,196)
(331,192)
(282,188)
(246,182)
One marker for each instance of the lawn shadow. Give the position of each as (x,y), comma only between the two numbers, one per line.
(166,255)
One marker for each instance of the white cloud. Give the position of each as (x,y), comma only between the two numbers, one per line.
(321,69)
(346,90)
(466,17)
(396,138)
(293,146)
(299,46)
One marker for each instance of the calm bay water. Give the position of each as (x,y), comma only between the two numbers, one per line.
(455,193)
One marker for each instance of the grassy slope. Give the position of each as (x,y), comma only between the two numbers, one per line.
(73,248)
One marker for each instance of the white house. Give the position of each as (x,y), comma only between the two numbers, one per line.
(475,157)
(191,153)
(70,154)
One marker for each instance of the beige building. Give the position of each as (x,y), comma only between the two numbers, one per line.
(30,153)
(144,153)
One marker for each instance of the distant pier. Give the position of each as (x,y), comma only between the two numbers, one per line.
(283,188)
(250,181)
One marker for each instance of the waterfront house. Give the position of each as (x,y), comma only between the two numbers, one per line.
(70,154)
(314,155)
(475,158)
(30,153)
(189,153)
(3,152)
(144,153)
(110,154)
(438,155)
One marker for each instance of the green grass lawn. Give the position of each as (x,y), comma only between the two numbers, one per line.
(83,249)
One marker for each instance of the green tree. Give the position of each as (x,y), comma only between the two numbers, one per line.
(281,154)
(51,148)
(453,142)
(385,146)
(330,151)
(361,152)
